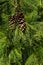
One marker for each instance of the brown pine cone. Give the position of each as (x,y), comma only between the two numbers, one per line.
(11,22)
(22,25)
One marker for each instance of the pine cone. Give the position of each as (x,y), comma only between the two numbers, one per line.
(22,25)
(17,17)
(11,22)
(20,19)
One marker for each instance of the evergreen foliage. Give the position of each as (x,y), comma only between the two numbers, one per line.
(17,47)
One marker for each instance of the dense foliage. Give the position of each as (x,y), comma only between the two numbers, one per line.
(17,47)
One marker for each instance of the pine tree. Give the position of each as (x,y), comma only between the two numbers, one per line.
(21,36)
